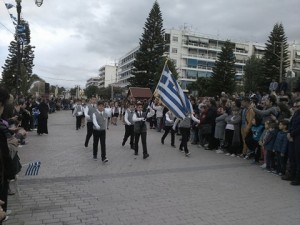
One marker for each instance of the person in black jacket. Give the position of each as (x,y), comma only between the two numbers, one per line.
(43,117)
(5,159)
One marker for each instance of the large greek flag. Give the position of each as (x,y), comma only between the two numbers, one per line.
(172,96)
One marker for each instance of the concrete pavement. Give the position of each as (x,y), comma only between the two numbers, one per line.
(165,189)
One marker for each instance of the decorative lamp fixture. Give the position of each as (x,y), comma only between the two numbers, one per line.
(38,2)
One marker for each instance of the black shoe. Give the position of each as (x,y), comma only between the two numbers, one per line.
(132,147)
(162,141)
(145,156)
(105,160)
(207,148)
(85,145)
(123,143)
(135,153)
(173,146)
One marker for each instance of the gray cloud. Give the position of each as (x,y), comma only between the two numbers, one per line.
(74,38)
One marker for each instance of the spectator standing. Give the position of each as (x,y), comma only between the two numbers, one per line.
(43,108)
(294,143)
(281,147)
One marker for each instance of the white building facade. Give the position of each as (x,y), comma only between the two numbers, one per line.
(107,75)
(93,81)
(194,56)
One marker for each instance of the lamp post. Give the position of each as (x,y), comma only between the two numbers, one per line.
(281,58)
(19,57)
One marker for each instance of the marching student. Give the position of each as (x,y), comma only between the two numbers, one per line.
(100,126)
(89,110)
(116,110)
(158,107)
(78,112)
(185,127)
(129,125)
(169,122)
(140,129)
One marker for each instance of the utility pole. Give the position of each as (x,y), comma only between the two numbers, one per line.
(18,74)
(281,59)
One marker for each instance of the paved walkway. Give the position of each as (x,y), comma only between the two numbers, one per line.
(165,189)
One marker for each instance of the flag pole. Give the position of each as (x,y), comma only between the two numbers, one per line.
(167,59)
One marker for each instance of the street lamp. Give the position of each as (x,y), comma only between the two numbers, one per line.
(19,57)
(281,58)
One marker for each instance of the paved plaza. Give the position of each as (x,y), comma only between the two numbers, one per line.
(165,189)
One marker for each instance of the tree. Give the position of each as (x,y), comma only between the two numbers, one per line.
(277,42)
(26,79)
(223,76)
(253,78)
(149,57)
(200,85)
(91,91)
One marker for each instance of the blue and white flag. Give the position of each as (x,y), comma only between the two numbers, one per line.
(8,5)
(33,169)
(172,96)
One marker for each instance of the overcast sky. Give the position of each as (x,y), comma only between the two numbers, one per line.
(74,38)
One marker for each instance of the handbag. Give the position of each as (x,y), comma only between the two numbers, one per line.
(206,128)
(79,113)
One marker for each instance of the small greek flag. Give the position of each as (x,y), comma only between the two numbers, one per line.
(33,169)
(171,94)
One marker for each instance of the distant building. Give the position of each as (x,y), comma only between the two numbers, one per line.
(94,81)
(107,75)
(125,66)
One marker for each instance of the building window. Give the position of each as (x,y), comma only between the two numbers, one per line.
(174,50)
(175,39)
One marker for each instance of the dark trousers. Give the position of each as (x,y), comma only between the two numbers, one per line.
(228,140)
(99,135)
(89,133)
(4,193)
(185,133)
(169,129)
(129,132)
(78,122)
(42,126)
(144,142)
(270,160)
(281,160)
(152,121)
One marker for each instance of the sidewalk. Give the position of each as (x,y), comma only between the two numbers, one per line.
(167,188)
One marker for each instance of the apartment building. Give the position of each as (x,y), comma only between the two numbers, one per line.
(93,81)
(107,75)
(195,54)
(125,66)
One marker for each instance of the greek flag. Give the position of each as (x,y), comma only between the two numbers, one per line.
(172,96)
(33,169)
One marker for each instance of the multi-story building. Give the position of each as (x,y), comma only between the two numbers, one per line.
(294,57)
(107,75)
(194,56)
(125,66)
(93,81)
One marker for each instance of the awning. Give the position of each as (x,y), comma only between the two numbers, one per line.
(260,48)
(193,39)
(202,40)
